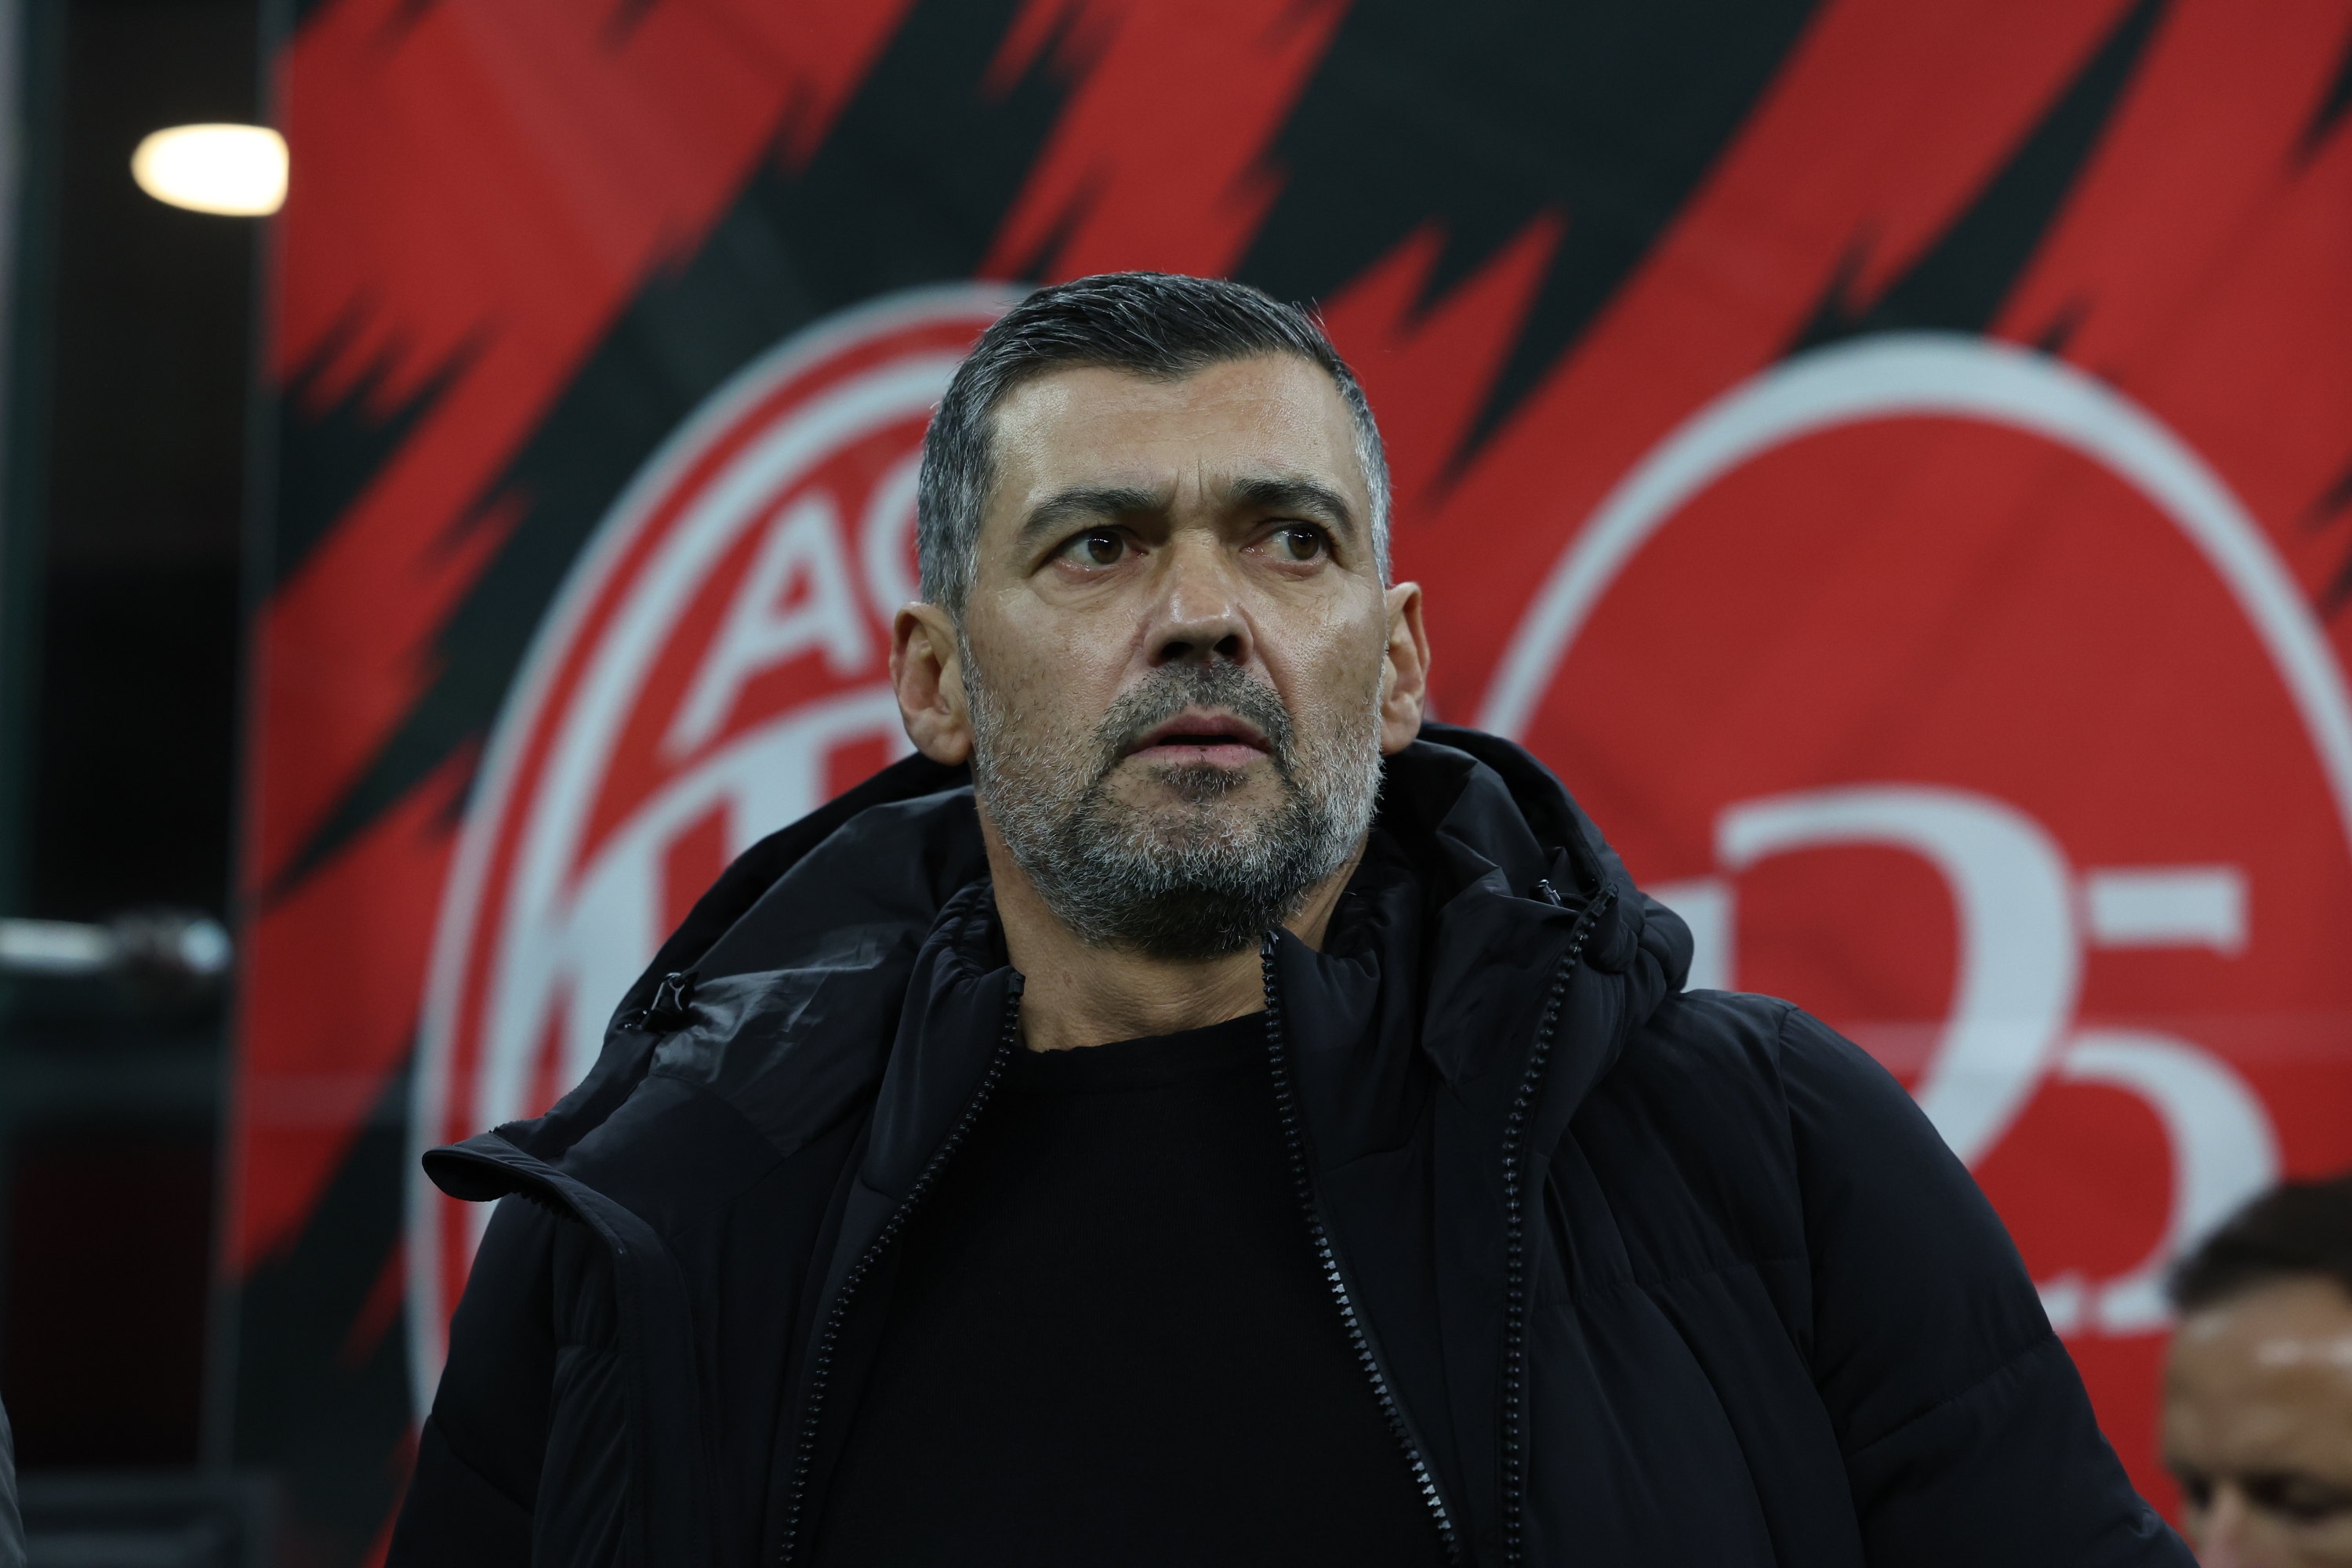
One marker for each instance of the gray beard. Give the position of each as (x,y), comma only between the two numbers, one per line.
(1185,883)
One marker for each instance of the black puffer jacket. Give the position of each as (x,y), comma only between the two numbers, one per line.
(1646,1276)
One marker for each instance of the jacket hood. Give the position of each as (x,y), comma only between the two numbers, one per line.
(1507,862)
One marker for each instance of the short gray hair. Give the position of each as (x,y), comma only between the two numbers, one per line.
(1160,324)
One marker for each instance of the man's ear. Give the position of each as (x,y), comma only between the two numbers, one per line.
(1404,670)
(926,672)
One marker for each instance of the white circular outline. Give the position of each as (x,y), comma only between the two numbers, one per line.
(1900,375)
(582,587)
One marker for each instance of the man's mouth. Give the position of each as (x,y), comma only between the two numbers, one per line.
(1203,735)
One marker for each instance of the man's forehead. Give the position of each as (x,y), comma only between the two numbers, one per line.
(1274,412)
(2251,1360)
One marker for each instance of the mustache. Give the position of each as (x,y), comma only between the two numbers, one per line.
(1172,688)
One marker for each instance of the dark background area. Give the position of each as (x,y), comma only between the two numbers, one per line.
(119,599)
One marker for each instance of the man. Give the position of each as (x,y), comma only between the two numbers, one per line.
(2258,1388)
(1182,1116)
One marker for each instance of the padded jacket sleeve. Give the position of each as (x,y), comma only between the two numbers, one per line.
(1967,1433)
(479,1457)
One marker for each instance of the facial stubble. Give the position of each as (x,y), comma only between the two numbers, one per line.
(1203,869)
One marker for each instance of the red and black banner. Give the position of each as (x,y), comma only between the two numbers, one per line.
(1893,460)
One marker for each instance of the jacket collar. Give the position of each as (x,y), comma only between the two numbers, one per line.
(805,949)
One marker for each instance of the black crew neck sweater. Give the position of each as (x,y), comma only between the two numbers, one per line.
(1109,1341)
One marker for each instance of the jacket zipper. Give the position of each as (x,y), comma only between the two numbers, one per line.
(820,1366)
(1327,1259)
(1518,1130)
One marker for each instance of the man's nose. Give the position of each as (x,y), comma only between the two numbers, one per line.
(2230,1535)
(1199,617)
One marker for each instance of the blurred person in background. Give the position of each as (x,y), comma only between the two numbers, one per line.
(1196,1112)
(2258,1389)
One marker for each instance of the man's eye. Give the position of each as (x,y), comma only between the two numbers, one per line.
(2306,1500)
(1296,543)
(1099,548)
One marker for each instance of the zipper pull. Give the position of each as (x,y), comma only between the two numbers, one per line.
(673,1002)
(1549,894)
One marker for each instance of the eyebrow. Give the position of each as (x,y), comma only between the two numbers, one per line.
(1310,496)
(1083,504)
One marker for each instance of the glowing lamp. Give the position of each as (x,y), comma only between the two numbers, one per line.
(236,170)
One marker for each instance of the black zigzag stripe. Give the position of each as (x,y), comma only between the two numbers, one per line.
(1960,284)
(910,188)
(329,448)
(1480,115)
(2332,108)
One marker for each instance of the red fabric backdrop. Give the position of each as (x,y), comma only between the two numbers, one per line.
(1894,461)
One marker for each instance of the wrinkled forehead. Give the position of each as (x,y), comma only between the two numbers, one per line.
(1204,438)
(2285,1343)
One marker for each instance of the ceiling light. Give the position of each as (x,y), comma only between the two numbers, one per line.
(236,170)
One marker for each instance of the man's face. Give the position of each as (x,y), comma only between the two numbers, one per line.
(1175,648)
(2258,1425)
